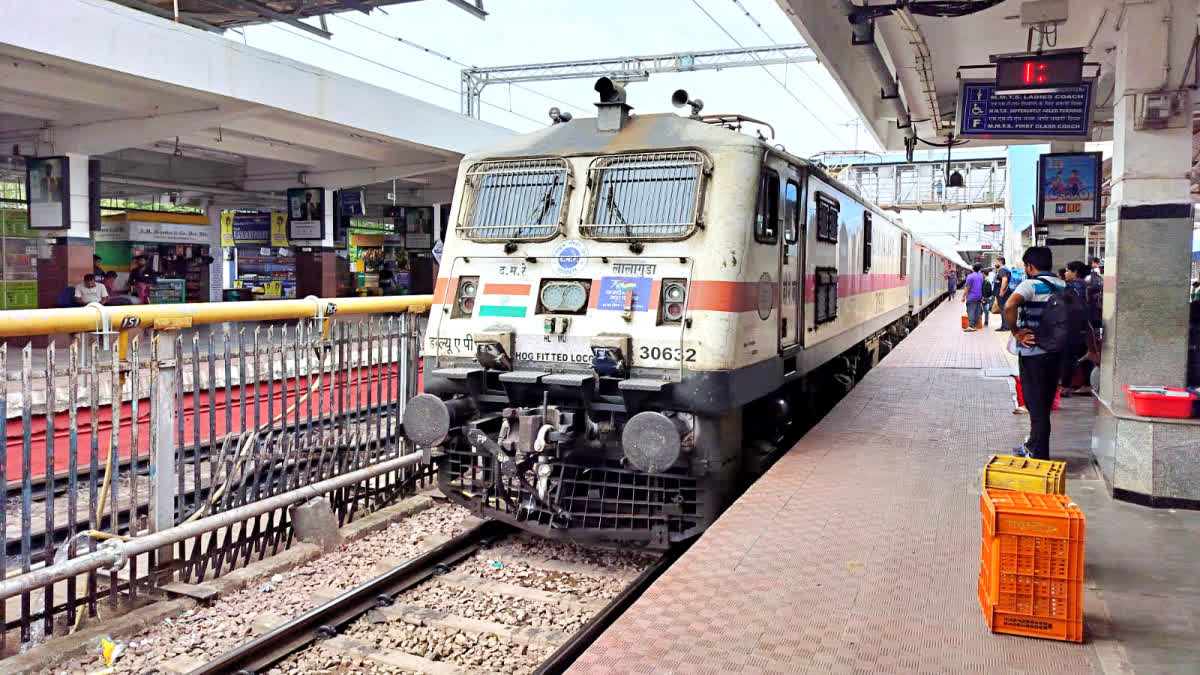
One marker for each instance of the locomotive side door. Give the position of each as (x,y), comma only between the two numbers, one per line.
(790,298)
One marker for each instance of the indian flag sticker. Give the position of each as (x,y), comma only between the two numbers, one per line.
(504,300)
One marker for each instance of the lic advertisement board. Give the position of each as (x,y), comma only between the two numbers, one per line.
(1068,188)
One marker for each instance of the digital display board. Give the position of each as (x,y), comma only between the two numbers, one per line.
(1039,71)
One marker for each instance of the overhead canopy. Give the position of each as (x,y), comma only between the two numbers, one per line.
(222,14)
(923,56)
(165,104)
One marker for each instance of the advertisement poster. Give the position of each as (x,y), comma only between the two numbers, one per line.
(279,228)
(306,214)
(252,227)
(226,229)
(47,184)
(1069,187)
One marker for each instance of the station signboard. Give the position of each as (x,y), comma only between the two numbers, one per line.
(1054,115)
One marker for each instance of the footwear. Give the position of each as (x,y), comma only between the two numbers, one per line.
(1001,330)
(1063,392)
(1020,451)
(1020,410)
(1082,391)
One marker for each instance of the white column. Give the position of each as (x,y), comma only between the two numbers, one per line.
(216,270)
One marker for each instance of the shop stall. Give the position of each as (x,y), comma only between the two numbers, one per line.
(263,265)
(176,247)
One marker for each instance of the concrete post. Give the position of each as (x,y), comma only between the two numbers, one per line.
(216,271)
(316,262)
(162,443)
(1148,240)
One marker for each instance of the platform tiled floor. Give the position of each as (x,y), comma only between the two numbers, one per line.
(859,550)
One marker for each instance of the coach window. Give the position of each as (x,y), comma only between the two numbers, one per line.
(903,256)
(866,241)
(791,211)
(827,217)
(766,228)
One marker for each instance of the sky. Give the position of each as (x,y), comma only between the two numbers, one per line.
(805,106)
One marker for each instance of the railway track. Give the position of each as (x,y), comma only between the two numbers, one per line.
(487,600)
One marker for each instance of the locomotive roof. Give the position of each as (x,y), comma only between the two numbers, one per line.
(662,131)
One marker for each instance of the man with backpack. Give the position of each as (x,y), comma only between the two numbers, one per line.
(1043,316)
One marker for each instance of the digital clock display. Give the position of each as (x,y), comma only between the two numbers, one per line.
(1042,71)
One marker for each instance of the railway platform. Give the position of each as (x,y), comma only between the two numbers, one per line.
(859,550)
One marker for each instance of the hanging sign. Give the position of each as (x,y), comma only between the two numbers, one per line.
(1064,114)
(1068,188)
(47,190)
(306,214)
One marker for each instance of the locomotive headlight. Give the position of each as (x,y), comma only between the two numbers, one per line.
(564,297)
(674,299)
(464,304)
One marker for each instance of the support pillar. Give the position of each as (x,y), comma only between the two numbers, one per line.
(1148,241)
(66,255)
(316,262)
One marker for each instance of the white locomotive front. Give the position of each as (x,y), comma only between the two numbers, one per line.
(635,314)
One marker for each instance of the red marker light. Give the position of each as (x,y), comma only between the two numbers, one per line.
(1029,72)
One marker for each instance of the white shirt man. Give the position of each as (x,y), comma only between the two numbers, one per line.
(90,291)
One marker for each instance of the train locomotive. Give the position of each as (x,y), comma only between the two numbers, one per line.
(635,315)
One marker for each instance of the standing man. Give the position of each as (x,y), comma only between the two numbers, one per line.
(973,297)
(951,282)
(96,268)
(1040,369)
(1002,291)
(1095,295)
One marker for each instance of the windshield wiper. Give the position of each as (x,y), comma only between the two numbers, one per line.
(616,211)
(540,208)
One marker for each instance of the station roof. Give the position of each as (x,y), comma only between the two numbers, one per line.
(926,55)
(224,14)
(166,104)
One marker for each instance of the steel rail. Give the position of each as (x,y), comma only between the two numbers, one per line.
(323,621)
(96,317)
(578,643)
(113,553)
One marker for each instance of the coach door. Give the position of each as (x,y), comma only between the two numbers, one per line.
(790,298)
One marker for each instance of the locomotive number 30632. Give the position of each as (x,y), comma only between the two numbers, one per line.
(668,354)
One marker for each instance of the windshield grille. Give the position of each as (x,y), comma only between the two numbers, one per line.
(645,196)
(521,200)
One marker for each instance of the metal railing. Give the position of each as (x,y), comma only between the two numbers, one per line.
(171,438)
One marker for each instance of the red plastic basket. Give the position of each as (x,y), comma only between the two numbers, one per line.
(1158,405)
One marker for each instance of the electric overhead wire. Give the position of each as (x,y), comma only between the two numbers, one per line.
(770,74)
(397,70)
(453,60)
(802,71)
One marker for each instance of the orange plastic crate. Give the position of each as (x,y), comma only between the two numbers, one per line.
(1031,564)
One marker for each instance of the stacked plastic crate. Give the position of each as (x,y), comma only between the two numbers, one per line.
(1031,557)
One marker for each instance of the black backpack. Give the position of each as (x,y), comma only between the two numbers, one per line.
(1064,315)
(987,288)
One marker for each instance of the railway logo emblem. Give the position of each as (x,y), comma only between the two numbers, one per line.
(569,256)
(766,296)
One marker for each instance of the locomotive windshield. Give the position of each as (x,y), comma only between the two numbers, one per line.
(523,200)
(645,196)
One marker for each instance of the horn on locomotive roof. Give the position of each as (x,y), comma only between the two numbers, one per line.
(680,99)
(613,112)
(557,116)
